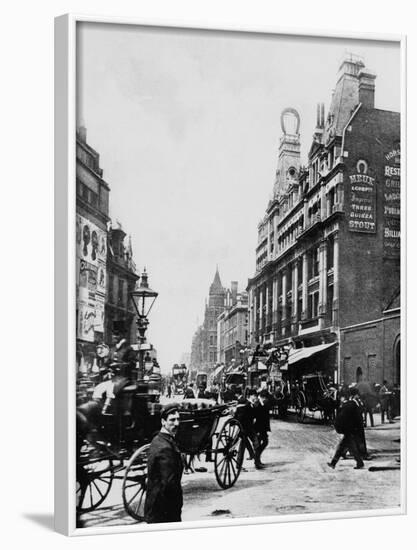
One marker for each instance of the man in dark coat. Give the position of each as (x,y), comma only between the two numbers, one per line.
(164,493)
(262,423)
(245,414)
(349,422)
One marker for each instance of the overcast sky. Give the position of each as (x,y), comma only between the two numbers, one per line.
(187,125)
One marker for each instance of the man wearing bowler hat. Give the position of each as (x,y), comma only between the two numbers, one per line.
(163,502)
(262,421)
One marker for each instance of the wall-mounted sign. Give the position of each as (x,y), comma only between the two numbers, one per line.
(392,204)
(362,208)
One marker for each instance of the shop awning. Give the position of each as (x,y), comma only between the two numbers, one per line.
(299,354)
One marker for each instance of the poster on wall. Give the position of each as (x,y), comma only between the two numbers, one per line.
(91,253)
(101,278)
(86,321)
(99,313)
(91,241)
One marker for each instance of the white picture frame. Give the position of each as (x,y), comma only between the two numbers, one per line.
(65,130)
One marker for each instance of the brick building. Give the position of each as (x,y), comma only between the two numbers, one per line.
(328,256)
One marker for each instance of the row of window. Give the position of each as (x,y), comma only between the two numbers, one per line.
(118,291)
(88,159)
(288,311)
(87,194)
(92,198)
(287,238)
(313,267)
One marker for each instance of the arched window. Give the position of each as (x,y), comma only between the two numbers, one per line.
(359,374)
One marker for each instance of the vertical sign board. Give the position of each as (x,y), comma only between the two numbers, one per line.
(362,208)
(392,204)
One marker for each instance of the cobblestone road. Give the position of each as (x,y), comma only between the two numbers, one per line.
(296,479)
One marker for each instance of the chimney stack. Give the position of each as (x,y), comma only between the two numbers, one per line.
(82,133)
(367,88)
(233,286)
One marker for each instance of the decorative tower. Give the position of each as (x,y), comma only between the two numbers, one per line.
(217,292)
(215,306)
(289,152)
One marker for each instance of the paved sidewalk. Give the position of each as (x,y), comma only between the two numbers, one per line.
(384,444)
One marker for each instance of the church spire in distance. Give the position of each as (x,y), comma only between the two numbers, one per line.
(216,286)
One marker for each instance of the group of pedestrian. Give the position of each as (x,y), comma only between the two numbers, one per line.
(351,419)
(373,397)
(201,393)
(253,413)
(165,465)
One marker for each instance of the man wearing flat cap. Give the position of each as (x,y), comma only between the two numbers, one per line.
(163,502)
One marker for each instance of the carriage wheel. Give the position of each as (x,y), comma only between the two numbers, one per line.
(229,452)
(94,481)
(301,407)
(134,483)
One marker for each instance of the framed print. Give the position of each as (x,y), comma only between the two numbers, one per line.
(229,276)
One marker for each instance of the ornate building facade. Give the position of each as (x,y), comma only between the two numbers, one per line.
(328,255)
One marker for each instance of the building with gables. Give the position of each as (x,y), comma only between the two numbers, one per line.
(327,272)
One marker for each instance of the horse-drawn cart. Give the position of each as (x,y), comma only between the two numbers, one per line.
(116,446)
(313,399)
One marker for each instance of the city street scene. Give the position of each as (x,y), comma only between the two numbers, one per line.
(238,349)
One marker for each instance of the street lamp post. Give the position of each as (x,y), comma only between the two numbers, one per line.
(143,299)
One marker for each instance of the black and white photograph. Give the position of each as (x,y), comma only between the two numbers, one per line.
(238,320)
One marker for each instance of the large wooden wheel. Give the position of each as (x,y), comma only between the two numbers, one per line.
(229,452)
(94,479)
(134,483)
